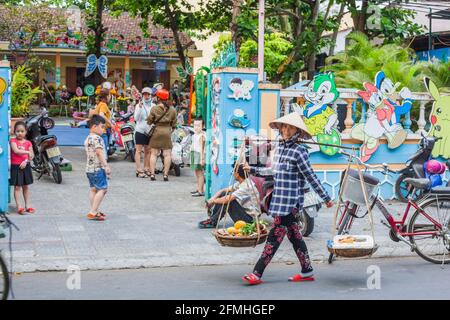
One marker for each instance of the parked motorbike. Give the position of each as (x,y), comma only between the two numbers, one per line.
(182,141)
(47,156)
(414,169)
(181,148)
(258,154)
(124,132)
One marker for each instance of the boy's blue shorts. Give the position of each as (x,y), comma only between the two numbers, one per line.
(98,179)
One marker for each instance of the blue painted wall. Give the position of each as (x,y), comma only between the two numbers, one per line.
(441,54)
(5,73)
(227,133)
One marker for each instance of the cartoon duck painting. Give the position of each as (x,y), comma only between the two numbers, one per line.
(387,90)
(318,115)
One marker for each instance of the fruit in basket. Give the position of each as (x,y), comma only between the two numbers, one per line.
(232,231)
(240,224)
(250,228)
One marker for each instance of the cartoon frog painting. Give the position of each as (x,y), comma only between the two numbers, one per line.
(318,114)
(440,120)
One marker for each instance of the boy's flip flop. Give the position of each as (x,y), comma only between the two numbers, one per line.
(299,278)
(251,279)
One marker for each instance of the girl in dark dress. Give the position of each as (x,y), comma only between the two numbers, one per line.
(21,175)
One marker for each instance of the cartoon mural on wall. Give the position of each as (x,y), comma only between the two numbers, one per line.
(440,120)
(387,90)
(216,89)
(378,123)
(241,89)
(92,63)
(319,115)
(239,119)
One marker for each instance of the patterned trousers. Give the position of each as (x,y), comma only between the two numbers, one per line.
(284,225)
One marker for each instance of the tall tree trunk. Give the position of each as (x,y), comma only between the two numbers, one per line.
(336,31)
(360,17)
(235,37)
(176,35)
(99,27)
(311,60)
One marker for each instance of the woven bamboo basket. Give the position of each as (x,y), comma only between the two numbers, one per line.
(353,252)
(239,241)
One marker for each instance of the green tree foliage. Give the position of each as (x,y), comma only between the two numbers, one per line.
(361,60)
(20,26)
(276,51)
(179,16)
(393,24)
(439,72)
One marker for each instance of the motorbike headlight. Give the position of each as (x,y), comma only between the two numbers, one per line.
(47,123)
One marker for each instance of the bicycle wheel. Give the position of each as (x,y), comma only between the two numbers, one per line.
(434,244)
(4,279)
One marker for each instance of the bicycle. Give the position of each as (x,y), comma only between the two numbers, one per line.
(428,230)
(4,274)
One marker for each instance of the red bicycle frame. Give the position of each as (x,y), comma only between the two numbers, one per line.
(397,225)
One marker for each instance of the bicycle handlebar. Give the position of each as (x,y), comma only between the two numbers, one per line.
(384,167)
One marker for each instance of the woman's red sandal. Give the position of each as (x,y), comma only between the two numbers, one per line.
(299,278)
(30,210)
(21,210)
(251,279)
(96,217)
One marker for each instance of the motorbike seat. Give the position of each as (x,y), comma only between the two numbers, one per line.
(45,137)
(440,190)
(419,183)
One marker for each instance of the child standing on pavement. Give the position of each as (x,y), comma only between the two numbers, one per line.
(21,175)
(198,157)
(97,169)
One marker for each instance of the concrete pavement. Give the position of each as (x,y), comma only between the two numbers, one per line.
(395,278)
(150,224)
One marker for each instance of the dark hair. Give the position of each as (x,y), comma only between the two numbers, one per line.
(18,124)
(96,120)
(236,80)
(240,171)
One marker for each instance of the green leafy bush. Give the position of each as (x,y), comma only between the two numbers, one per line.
(23,93)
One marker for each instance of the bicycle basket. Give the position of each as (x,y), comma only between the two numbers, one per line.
(353,191)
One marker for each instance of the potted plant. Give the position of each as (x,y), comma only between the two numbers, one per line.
(22,94)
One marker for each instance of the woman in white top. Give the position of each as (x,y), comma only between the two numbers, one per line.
(141,113)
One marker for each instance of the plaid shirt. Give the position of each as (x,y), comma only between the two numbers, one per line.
(291,170)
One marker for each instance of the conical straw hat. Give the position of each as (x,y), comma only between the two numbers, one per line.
(294,119)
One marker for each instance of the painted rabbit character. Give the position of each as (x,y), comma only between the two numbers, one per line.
(387,89)
(440,120)
(378,123)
